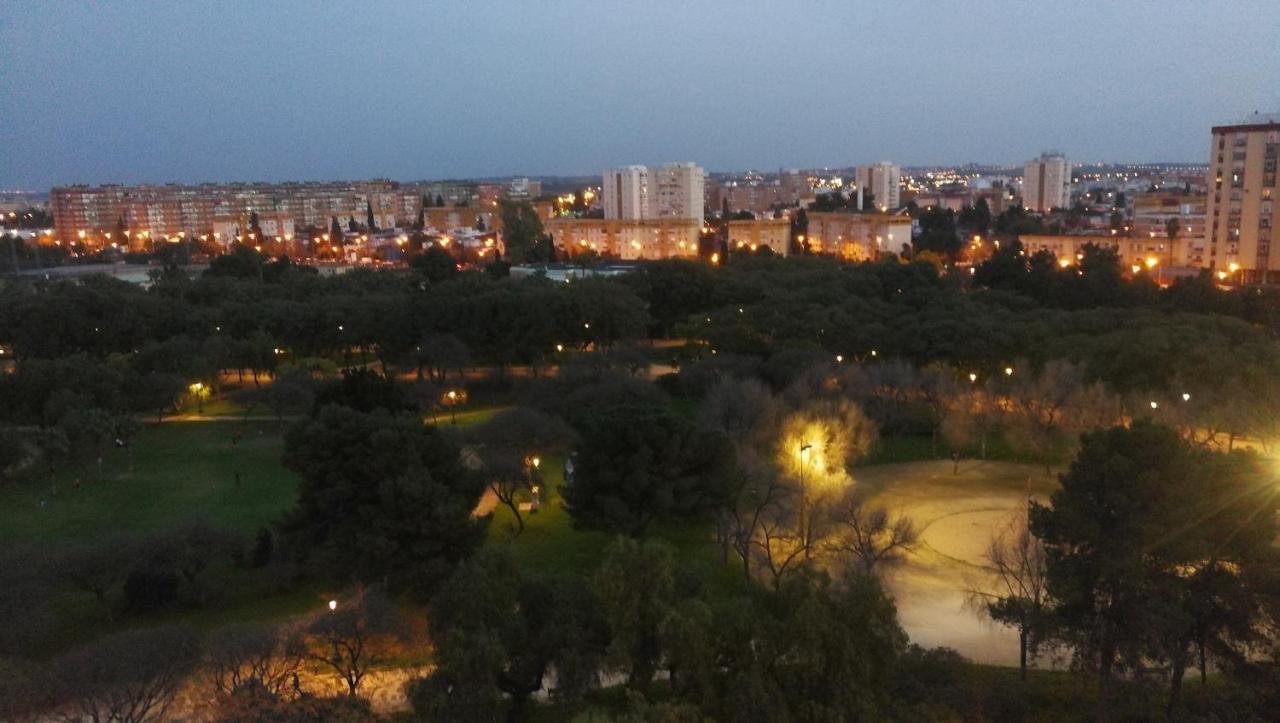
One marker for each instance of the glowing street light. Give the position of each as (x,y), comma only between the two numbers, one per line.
(333,605)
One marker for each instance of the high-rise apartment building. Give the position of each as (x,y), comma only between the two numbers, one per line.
(679,191)
(1046,183)
(637,192)
(1242,209)
(625,193)
(883,181)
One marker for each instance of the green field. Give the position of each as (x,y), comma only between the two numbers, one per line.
(551,545)
(181,471)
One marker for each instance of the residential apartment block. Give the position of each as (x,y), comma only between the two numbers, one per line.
(883,181)
(775,233)
(628,239)
(1242,213)
(675,190)
(1152,212)
(224,211)
(857,236)
(1046,183)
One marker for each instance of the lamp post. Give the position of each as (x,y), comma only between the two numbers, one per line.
(804,499)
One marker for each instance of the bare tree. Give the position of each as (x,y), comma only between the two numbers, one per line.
(744,410)
(755,502)
(510,449)
(975,416)
(264,657)
(355,636)
(1041,404)
(1015,594)
(778,544)
(940,393)
(128,677)
(98,568)
(869,536)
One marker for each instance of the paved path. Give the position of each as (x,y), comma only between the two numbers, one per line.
(956,515)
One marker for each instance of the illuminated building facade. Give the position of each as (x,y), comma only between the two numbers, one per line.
(1242,212)
(774,233)
(628,239)
(857,236)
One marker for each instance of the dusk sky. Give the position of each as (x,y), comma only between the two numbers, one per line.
(186,91)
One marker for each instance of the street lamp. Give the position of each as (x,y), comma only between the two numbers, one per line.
(333,605)
(804,498)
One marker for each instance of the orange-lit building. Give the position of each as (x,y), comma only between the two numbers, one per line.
(857,236)
(628,239)
(775,233)
(1139,251)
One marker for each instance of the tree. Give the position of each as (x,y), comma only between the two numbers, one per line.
(1172,227)
(13,451)
(364,390)
(868,535)
(97,568)
(521,230)
(498,632)
(355,636)
(435,263)
(441,353)
(636,587)
(254,657)
(1135,527)
(512,445)
(382,498)
(840,640)
(160,391)
(1015,593)
(938,232)
(255,229)
(640,462)
(336,234)
(131,676)
(290,390)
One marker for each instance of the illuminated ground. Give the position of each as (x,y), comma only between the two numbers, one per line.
(957,514)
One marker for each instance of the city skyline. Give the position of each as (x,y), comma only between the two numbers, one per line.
(186,94)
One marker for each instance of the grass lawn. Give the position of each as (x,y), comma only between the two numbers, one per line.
(181,471)
(550,544)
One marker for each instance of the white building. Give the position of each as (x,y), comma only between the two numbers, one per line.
(679,191)
(626,193)
(672,191)
(1046,182)
(883,181)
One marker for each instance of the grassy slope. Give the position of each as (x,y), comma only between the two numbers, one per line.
(181,470)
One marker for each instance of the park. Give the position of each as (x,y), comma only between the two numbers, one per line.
(614,498)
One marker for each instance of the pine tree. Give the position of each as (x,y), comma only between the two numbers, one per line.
(368,217)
